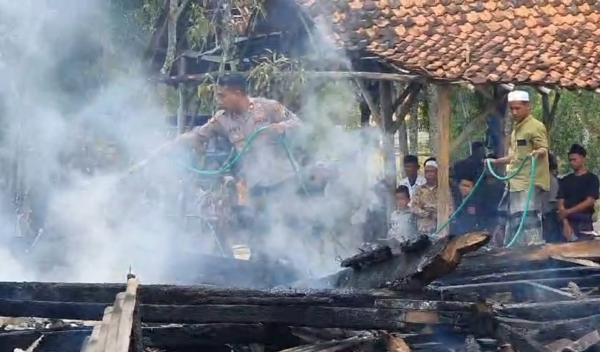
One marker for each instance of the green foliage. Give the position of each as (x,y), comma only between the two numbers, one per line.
(200,27)
(278,77)
(466,106)
(147,13)
(577,121)
(206,95)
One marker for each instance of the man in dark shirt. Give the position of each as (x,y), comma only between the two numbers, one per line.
(577,194)
(467,220)
(473,164)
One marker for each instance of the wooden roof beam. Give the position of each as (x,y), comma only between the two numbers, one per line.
(330,75)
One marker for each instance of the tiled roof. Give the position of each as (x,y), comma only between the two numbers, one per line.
(540,42)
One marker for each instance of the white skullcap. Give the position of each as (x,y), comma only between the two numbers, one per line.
(518,95)
(431,163)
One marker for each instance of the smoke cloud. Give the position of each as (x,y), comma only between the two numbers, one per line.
(76,109)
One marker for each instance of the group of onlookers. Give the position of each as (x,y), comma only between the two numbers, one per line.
(554,209)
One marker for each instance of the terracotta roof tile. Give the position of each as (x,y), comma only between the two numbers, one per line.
(519,41)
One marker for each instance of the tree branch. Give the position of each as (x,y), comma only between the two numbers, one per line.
(472,126)
(369,100)
(552,116)
(413,89)
(175,12)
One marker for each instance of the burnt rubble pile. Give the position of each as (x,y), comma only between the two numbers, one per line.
(542,298)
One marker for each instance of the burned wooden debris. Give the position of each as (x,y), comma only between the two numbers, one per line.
(407,270)
(531,306)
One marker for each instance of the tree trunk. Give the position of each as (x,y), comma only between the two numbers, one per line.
(175,11)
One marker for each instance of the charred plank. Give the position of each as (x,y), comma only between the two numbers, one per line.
(190,336)
(312,316)
(533,257)
(518,339)
(64,341)
(164,337)
(190,295)
(540,293)
(569,328)
(551,310)
(408,270)
(487,289)
(53,310)
(461,278)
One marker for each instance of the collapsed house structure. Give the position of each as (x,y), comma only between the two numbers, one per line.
(541,298)
(533,299)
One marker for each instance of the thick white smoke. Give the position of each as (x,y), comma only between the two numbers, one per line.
(97,224)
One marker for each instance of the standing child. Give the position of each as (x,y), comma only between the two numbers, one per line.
(402,223)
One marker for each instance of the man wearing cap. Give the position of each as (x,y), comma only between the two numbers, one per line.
(424,204)
(528,138)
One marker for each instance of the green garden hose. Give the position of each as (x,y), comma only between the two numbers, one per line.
(490,169)
(229,165)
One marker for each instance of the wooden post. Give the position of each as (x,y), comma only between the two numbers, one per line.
(387,112)
(402,143)
(389,155)
(443,157)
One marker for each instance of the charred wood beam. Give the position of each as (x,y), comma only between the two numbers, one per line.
(488,289)
(191,295)
(64,341)
(163,337)
(527,257)
(480,266)
(426,305)
(518,339)
(538,293)
(408,271)
(334,346)
(320,317)
(191,336)
(550,310)
(54,291)
(456,279)
(569,328)
(52,310)
(312,316)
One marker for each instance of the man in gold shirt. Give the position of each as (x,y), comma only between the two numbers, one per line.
(529,138)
